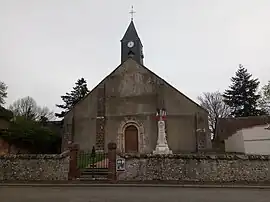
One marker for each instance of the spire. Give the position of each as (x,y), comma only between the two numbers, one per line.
(131,45)
(131,33)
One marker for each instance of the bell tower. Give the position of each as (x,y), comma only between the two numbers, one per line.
(131,45)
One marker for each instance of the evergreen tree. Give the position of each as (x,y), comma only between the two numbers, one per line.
(264,102)
(70,99)
(242,96)
(3,93)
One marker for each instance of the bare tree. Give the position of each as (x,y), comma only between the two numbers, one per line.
(213,103)
(28,108)
(3,93)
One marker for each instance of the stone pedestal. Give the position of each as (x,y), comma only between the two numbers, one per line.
(162,145)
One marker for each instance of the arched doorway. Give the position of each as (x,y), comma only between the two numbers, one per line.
(131,139)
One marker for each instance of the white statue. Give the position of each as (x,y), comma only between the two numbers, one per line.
(162,145)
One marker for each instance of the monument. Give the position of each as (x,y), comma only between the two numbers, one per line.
(162,145)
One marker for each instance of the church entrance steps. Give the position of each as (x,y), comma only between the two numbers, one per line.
(93,165)
(94,174)
(100,164)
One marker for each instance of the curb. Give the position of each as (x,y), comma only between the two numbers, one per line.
(134,185)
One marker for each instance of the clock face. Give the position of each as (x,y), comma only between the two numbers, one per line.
(130,44)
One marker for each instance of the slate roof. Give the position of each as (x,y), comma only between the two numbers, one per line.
(226,127)
(131,32)
(56,126)
(5,114)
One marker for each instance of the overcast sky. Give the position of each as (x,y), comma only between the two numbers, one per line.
(196,45)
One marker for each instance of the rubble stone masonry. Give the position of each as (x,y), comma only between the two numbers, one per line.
(216,168)
(32,167)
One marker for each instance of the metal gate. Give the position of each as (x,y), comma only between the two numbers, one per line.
(93,165)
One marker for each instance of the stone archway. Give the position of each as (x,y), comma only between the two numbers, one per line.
(141,139)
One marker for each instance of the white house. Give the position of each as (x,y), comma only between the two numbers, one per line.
(254,140)
(250,135)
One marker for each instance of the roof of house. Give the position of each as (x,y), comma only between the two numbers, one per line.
(5,114)
(147,70)
(56,126)
(226,127)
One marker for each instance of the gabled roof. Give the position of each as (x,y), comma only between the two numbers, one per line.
(131,32)
(165,82)
(226,127)
(5,114)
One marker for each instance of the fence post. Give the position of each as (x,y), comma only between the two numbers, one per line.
(73,168)
(112,161)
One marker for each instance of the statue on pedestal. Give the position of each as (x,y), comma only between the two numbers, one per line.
(162,145)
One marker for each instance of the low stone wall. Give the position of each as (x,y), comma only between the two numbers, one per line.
(196,168)
(31,167)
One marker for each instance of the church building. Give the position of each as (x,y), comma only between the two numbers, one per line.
(122,108)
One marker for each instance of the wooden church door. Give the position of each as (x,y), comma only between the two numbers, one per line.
(131,139)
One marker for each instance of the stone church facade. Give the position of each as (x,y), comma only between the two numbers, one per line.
(122,109)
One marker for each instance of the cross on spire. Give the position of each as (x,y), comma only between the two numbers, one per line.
(132,13)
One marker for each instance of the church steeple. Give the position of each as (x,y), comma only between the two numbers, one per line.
(131,32)
(131,45)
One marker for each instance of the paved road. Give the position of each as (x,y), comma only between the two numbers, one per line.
(131,194)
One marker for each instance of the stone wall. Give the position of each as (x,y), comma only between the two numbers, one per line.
(31,167)
(197,168)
